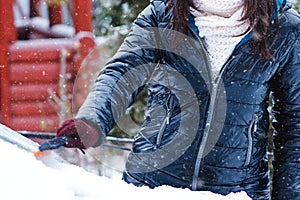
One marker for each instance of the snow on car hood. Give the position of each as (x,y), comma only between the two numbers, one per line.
(27,178)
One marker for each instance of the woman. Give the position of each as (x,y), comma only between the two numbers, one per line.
(209,67)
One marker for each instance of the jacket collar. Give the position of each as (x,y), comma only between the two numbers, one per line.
(279,4)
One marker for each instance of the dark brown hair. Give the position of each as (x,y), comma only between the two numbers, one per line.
(258,12)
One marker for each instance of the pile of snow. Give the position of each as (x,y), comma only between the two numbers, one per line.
(27,178)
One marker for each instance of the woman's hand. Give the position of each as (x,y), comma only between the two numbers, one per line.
(79,134)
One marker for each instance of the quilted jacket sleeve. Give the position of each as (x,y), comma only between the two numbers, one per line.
(286,179)
(124,75)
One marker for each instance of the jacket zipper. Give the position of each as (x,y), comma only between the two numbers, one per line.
(211,110)
(209,119)
(252,128)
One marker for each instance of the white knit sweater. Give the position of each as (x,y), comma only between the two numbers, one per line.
(219,24)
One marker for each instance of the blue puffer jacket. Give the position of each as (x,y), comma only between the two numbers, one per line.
(200,132)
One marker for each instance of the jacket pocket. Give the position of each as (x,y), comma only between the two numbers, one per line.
(252,129)
(166,120)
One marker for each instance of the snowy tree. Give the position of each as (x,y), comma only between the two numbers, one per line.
(109,14)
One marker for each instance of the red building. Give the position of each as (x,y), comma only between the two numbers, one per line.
(39,59)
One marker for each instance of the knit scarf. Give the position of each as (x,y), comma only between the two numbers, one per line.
(219,24)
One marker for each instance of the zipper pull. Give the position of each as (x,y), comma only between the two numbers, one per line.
(169,111)
(255,123)
(168,115)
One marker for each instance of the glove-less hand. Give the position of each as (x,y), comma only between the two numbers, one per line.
(79,134)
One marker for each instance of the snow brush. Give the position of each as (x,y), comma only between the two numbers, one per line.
(49,145)
(54,143)
(11,136)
